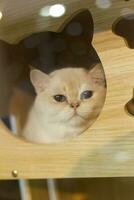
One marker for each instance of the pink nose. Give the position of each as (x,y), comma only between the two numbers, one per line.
(74,105)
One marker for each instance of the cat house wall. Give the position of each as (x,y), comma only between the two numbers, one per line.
(21,18)
(106,149)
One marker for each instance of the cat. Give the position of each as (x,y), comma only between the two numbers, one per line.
(68,101)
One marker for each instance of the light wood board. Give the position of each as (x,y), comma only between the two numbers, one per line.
(107,148)
(21,18)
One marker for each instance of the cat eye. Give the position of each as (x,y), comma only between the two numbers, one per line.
(86,94)
(59,98)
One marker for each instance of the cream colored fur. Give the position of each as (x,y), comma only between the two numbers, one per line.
(50,121)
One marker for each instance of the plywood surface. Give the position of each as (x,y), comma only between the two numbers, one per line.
(21,18)
(107,148)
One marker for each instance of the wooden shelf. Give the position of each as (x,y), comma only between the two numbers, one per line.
(107,148)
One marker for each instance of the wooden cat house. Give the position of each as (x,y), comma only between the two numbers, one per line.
(106,149)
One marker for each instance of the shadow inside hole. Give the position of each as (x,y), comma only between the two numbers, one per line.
(47,52)
(124,27)
(129,107)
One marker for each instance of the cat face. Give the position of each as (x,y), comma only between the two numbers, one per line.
(72,96)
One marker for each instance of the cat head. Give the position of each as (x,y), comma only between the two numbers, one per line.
(70,95)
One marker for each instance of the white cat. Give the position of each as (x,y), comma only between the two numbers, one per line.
(68,101)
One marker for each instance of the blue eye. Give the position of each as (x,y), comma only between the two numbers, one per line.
(86,94)
(59,98)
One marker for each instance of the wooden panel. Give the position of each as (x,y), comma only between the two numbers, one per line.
(21,18)
(107,148)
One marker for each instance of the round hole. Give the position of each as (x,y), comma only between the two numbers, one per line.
(62,64)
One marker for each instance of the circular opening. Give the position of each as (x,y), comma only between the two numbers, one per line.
(58,83)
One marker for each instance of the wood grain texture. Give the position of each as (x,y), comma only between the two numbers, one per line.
(107,148)
(21,18)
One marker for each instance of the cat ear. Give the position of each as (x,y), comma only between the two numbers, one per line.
(97,73)
(79,27)
(39,80)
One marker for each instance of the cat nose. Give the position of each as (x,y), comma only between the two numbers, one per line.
(74,105)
